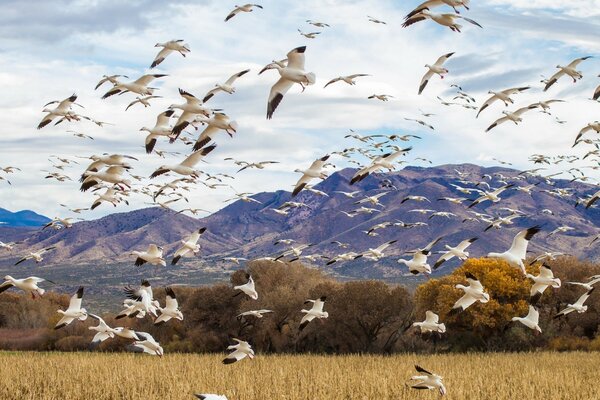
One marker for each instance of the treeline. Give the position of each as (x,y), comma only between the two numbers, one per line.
(364,316)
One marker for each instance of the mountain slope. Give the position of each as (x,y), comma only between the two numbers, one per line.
(24,218)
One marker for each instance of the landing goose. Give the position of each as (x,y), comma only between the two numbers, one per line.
(241,350)
(429,381)
(248,288)
(431,323)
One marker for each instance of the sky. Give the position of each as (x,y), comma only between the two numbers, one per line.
(53,49)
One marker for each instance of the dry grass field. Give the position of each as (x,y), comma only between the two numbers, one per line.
(76,376)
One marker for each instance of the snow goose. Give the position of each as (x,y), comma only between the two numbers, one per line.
(431,323)
(7,246)
(577,306)
(458,252)
(63,110)
(315,312)
(75,311)
(226,87)
(219,121)
(448,20)
(547,255)
(171,309)
(295,251)
(349,195)
(518,250)
(192,108)
(382,97)
(257,165)
(292,73)
(109,78)
(98,162)
(145,101)
(540,282)
(210,396)
(168,48)
(375,20)
(235,260)
(503,96)
(36,255)
(161,128)
(429,381)
(139,86)
(493,196)
(498,222)
(313,172)
(244,8)
(186,167)
(560,229)
(373,200)
(317,24)
(473,293)
(125,333)
(103,331)
(421,122)
(531,320)
(418,263)
(587,285)
(568,70)
(254,313)
(109,196)
(241,350)
(343,257)
(349,79)
(147,344)
(514,116)
(545,104)
(113,175)
(247,288)
(386,161)
(436,68)
(414,198)
(592,126)
(28,285)
(188,245)
(309,35)
(139,300)
(429,4)
(377,253)
(153,255)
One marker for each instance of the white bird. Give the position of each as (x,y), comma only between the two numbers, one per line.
(531,320)
(569,70)
(503,96)
(168,48)
(7,246)
(247,288)
(448,20)
(254,313)
(343,257)
(75,311)
(109,196)
(382,97)
(292,73)
(188,245)
(36,255)
(376,253)
(147,344)
(349,79)
(418,263)
(161,128)
(126,333)
(235,260)
(518,250)
(171,309)
(63,110)
(239,9)
(587,285)
(219,121)
(458,252)
(493,196)
(315,171)
(112,174)
(375,20)
(210,396)
(309,35)
(514,116)
(374,200)
(473,293)
(577,306)
(192,108)
(153,255)
(28,285)
(315,312)
(139,86)
(429,381)
(139,301)
(318,24)
(349,195)
(540,282)
(186,167)
(431,323)
(145,101)
(436,3)
(436,68)
(226,87)
(241,350)
(592,126)
(386,161)
(561,229)
(103,331)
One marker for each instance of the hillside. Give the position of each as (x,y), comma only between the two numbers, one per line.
(23,218)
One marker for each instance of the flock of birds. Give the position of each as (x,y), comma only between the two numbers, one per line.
(110,177)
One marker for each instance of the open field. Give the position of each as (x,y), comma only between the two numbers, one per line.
(71,376)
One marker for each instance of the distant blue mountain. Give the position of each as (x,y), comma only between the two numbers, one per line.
(24,218)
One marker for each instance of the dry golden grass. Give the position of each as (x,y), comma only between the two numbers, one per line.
(76,376)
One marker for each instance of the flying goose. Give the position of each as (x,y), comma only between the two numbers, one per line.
(382,97)
(436,3)
(373,200)
(161,128)
(292,73)
(171,309)
(315,312)
(139,301)
(145,101)
(375,20)
(235,260)
(112,174)
(349,79)
(518,250)
(244,8)
(186,167)
(473,293)
(147,344)
(317,24)
(577,306)
(109,196)
(448,20)
(36,255)
(139,86)
(109,78)
(103,331)
(568,70)
(531,320)
(28,285)
(153,255)
(7,246)
(587,285)
(493,196)
(210,396)
(226,87)
(219,121)
(436,68)
(429,381)
(380,162)
(75,311)
(168,48)
(313,172)
(241,350)
(188,245)
(431,323)
(592,126)
(309,35)
(544,279)
(192,108)
(98,162)
(247,288)
(514,116)
(458,252)
(418,263)
(376,253)
(63,110)
(503,96)
(254,313)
